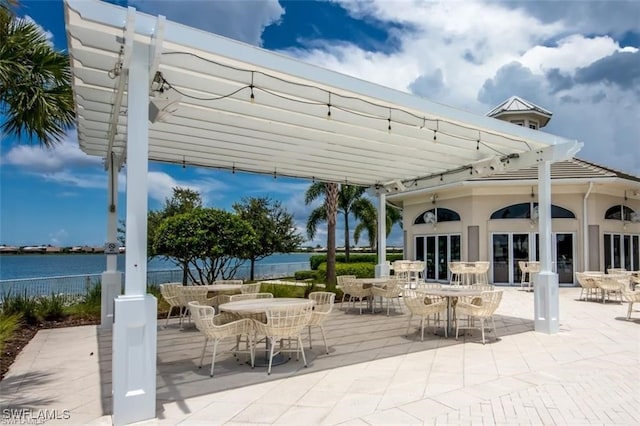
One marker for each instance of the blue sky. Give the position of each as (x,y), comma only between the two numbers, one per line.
(581,60)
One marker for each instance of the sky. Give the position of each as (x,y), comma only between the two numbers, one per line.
(578,59)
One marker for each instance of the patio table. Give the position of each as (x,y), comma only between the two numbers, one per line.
(251,307)
(451,294)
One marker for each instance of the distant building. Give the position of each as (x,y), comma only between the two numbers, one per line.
(595,216)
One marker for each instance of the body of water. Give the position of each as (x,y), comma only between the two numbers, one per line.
(53,265)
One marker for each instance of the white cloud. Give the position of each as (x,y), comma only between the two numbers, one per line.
(63,156)
(240,20)
(571,52)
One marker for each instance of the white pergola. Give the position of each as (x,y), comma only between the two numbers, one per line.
(147,89)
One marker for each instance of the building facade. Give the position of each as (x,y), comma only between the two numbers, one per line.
(595,216)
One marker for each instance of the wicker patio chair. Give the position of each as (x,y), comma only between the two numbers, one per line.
(428,286)
(479,308)
(250,288)
(219,327)
(285,323)
(612,285)
(389,293)
(425,307)
(630,297)
(169,293)
(589,288)
(323,305)
(356,291)
(340,281)
(481,271)
(194,293)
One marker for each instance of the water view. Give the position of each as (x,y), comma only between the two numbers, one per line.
(52,265)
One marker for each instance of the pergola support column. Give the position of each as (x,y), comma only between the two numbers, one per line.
(135,327)
(546,297)
(111,280)
(382,269)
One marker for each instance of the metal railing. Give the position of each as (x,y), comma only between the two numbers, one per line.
(74,287)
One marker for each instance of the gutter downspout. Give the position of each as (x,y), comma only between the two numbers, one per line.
(585,230)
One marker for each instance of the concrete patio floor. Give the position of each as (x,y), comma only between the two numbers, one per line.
(588,373)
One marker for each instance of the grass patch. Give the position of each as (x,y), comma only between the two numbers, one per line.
(8,325)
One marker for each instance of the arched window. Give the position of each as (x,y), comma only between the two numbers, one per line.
(523,211)
(438,214)
(620,212)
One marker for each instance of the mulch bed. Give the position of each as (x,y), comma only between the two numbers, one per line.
(25,333)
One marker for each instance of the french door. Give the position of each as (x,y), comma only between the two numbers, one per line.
(510,248)
(622,251)
(437,251)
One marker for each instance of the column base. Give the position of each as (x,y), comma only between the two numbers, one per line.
(546,303)
(134,359)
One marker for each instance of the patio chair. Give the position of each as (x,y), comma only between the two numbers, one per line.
(169,293)
(249,296)
(323,305)
(285,323)
(340,282)
(424,307)
(479,308)
(481,271)
(611,285)
(219,327)
(389,293)
(589,287)
(630,297)
(356,291)
(250,288)
(428,286)
(194,293)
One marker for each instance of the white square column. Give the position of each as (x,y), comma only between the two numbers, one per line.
(135,327)
(111,280)
(382,269)
(546,297)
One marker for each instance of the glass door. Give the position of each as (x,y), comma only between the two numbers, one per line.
(562,256)
(500,258)
(622,251)
(437,251)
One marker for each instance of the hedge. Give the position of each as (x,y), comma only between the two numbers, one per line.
(360,270)
(317,259)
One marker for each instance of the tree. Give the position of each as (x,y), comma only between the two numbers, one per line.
(209,241)
(274,227)
(183,200)
(36,97)
(350,200)
(327,211)
(369,224)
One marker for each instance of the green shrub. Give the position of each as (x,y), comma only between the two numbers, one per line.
(23,305)
(51,308)
(282,290)
(8,325)
(317,259)
(93,295)
(360,270)
(305,275)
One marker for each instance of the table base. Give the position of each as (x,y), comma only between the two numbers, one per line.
(263,361)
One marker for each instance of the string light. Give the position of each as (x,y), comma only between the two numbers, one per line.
(184,163)
(329,105)
(252,97)
(329,108)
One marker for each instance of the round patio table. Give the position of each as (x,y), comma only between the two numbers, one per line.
(452,294)
(250,307)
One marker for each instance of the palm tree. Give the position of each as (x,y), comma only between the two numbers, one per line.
(369,224)
(351,200)
(36,97)
(327,211)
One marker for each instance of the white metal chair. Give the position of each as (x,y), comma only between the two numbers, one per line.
(219,327)
(356,291)
(630,297)
(285,323)
(426,307)
(323,305)
(479,308)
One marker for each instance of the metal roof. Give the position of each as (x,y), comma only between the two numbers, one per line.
(235,106)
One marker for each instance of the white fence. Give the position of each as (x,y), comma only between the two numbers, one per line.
(72,287)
